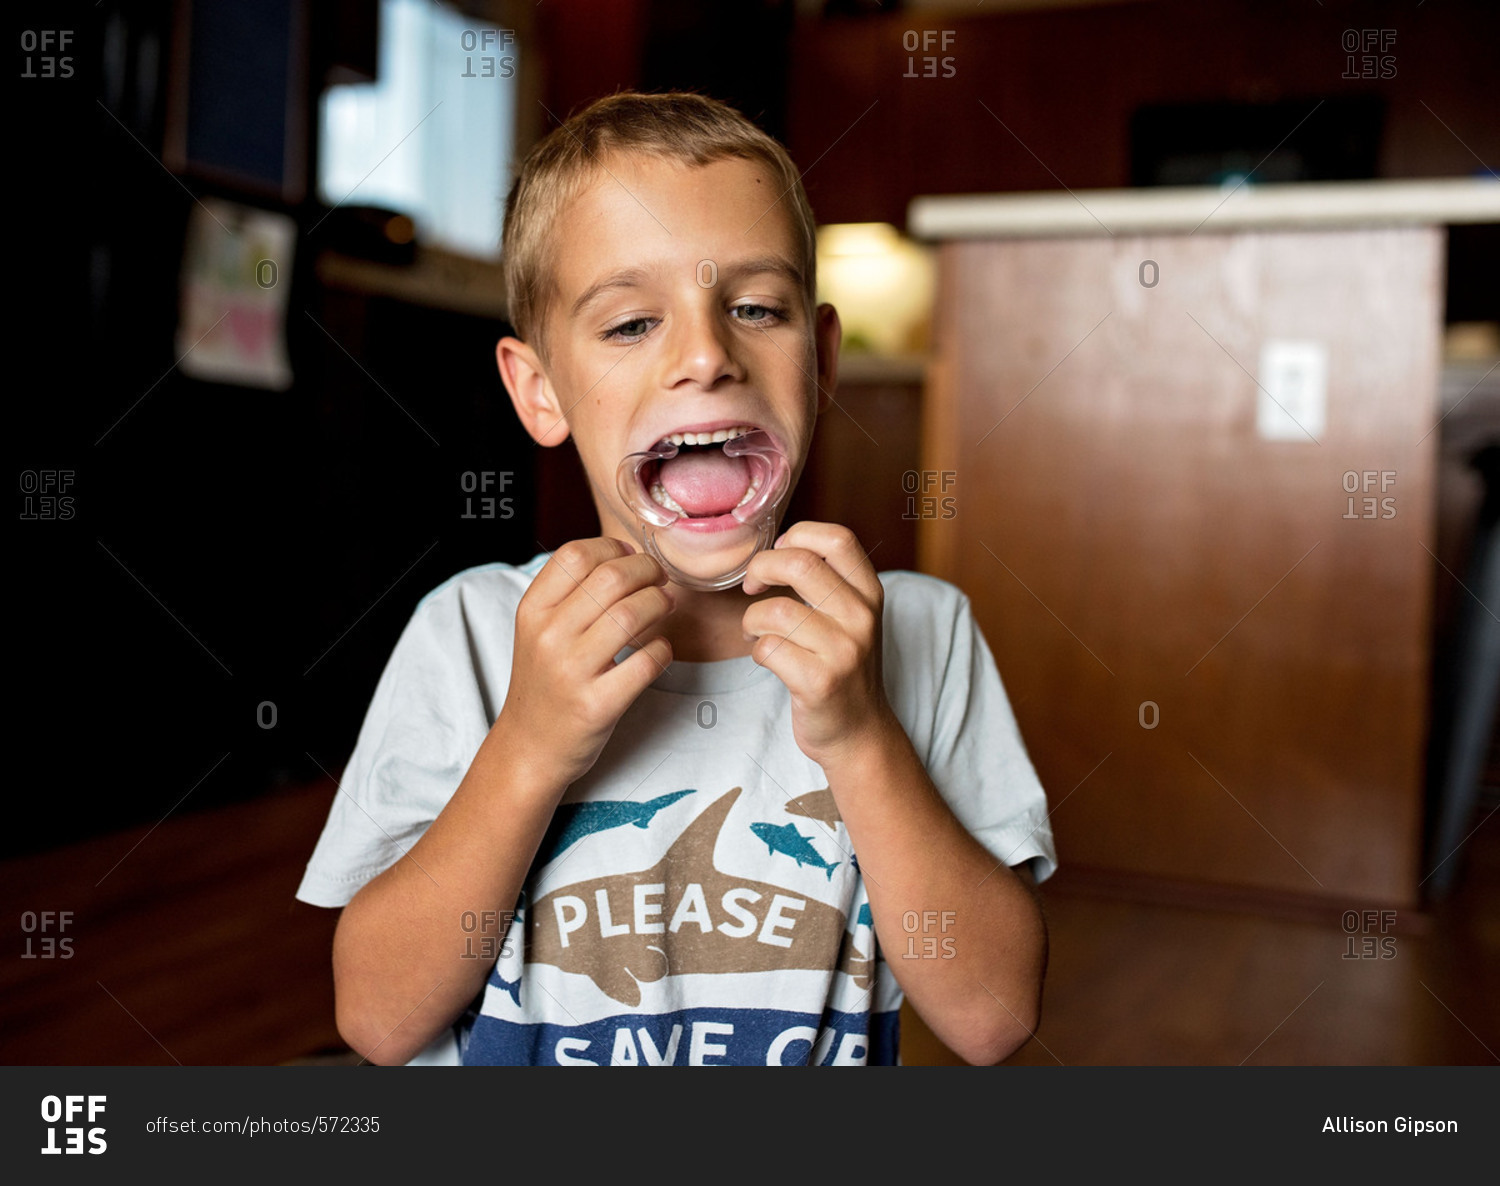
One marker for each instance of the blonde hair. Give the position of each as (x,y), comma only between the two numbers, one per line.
(680,126)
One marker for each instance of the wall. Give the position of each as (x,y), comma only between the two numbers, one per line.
(1061,86)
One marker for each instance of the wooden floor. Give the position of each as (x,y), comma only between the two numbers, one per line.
(187,946)
(1133,980)
(189,949)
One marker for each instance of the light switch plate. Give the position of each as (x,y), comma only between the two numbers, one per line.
(1292,396)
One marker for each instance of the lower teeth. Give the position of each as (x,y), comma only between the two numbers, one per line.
(660,496)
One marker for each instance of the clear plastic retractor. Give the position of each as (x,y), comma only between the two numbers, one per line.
(770,477)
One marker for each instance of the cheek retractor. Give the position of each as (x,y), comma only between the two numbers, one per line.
(769,474)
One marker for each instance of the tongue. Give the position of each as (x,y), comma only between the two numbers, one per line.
(705,482)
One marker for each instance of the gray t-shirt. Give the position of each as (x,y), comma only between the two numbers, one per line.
(696,899)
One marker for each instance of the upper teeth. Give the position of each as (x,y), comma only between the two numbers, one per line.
(717,437)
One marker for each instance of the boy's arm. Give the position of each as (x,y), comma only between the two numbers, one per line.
(404,966)
(972,945)
(962,932)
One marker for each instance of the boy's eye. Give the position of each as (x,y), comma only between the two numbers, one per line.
(637,328)
(757,314)
(634,329)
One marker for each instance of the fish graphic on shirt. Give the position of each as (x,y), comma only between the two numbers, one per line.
(683,916)
(573,821)
(513,987)
(855,964)
(785,839)
(818,805)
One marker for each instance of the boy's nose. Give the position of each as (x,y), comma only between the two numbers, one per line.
(704,351)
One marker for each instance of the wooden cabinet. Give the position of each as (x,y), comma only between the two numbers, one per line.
(862,469)
(1216,647)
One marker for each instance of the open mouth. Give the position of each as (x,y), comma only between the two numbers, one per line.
(712,483)
(696,478)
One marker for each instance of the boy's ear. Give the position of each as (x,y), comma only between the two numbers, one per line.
(531,393)
(829,333)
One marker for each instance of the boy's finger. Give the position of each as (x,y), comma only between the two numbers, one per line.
(569,565)
(630,621)
(634,675)
(584,577)
(618,578)
(817,582)
(786,618)
(834,542)
(600,594)
(798,569)
(788,658)
(836,545)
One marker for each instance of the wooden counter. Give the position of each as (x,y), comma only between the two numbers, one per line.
(1217,650)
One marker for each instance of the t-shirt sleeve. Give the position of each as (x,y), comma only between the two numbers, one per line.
(424,724)
(968,736)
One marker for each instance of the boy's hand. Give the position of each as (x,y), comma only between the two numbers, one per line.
(827,651)
(592,598)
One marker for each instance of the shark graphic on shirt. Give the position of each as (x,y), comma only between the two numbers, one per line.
(573,821)
(785,839)
(684,916)
(818,805)
(855,964)
(513,987)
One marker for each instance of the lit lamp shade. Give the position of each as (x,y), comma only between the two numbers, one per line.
(880,282)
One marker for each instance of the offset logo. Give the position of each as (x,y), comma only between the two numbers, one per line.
(56,1109)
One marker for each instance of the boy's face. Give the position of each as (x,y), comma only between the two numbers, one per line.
(678,306)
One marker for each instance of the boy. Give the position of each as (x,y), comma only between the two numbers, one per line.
(646,823)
